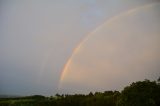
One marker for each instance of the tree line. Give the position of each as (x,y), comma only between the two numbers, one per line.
(140,93)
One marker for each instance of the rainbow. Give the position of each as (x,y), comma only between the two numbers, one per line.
(108,22)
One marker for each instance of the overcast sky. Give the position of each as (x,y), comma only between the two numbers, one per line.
(37,38)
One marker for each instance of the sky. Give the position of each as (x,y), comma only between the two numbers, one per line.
(77,46)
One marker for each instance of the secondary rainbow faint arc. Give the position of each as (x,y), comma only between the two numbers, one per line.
(109,21)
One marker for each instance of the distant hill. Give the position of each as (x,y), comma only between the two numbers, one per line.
(9,96)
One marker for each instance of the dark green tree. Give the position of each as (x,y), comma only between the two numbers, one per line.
(141,93)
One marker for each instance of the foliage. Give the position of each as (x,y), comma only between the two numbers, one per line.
(141,93)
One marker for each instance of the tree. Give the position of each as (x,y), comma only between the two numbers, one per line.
(141,93)
(158,79)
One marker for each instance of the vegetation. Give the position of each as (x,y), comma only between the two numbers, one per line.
(141,93)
